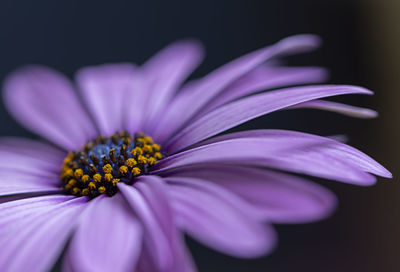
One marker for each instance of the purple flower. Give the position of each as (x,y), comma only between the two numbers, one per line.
(123,199)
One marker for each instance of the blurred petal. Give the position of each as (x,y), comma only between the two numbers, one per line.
(34,231)
(109,237)
(194,181)
(163,242)
(209,217)
(44,101)
(28,166)
(134,104)
(34,148)
(166,71)
(18,155)
(67,264)
(105,89)
(156,239)
(146,261)
(190,101)
(273,196)
(251,107)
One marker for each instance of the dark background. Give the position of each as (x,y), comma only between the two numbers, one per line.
(358,39)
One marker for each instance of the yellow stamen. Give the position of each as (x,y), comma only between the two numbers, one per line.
(69,158)
(72,182)
(115,181)
(107,168)
(85,178)
(108,177)
(123,170)
(142,159)
(137,151)
(68,172)
(156,147)
(78,173)
(148,140)
(131,162)
(151,161)
(158,155)
(135,171)
(147,149)
(97,177)
(76,191)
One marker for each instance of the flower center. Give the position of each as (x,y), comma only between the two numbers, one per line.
(98,167)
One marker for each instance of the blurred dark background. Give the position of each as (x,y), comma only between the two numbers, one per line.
(361,41)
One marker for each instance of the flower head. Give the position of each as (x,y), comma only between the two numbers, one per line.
(137,159)
(101,164)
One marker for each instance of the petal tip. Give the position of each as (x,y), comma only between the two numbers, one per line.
(307,41)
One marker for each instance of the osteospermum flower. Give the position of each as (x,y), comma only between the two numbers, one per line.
(141,161)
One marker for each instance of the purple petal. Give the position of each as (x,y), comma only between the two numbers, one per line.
(204,184)
(34,231)
(12,212)
(156,239)
(154,190)
(301,155)
(22,183)
(14,197)
(31,157)
(146,261)
(166,71)
(110,91)
(249,108)
(329,146)
(225,151)
(34,148)
(190,101)
(266,77)
(351,111)
(165,246)
(27,189)
(44,101)
(219,223)
(109,237)
(13,181)
(67,264)
(272,196)
(28,166)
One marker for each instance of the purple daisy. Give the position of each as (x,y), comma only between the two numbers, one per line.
(136,159)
